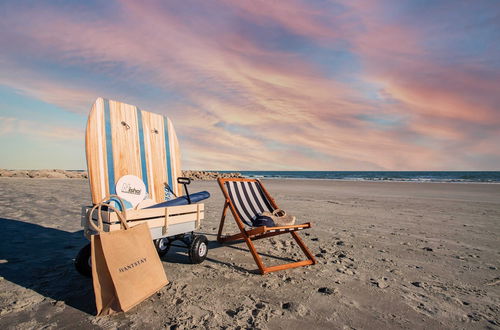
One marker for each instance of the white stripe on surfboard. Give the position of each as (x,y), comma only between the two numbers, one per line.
(99,119)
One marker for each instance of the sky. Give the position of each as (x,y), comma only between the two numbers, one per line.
(259,85)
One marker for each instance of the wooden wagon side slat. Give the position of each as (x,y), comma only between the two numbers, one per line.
(157,212)
(111,217)
(157,222)
(161,217)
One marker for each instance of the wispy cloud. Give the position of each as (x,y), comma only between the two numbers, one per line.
(15,126)
(264,78)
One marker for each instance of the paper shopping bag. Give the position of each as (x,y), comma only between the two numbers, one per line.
(126,268)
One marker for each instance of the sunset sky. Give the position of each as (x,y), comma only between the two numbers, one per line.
(259,85)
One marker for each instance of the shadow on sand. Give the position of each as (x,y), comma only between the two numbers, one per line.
(41,259)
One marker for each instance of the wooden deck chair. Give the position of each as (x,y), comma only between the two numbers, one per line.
(246,198)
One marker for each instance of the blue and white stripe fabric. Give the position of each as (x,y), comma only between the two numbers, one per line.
(249,199)
(169,195)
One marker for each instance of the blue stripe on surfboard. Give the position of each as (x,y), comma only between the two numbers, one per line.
(109,149)
(167,153)
(142,149)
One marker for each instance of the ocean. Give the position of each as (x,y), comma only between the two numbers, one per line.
(409,176)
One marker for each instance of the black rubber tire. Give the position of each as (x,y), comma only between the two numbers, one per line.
(83,261)
(162,246)
(198,250)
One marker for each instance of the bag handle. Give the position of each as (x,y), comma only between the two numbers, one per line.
(122,215)
(279,213)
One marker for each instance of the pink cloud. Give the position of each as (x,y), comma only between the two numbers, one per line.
(280,105)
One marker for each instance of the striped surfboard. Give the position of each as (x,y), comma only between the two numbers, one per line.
(122,139)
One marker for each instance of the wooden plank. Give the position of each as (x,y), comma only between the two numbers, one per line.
(125,142)
(186,208)
(198,219)
(125,139)
(300,226)
(157,222)
(154,136)
(165,225)
(139,214)
(173,219)
(156,212)
(157,216)
(262,232)
(287,266)
(95,148)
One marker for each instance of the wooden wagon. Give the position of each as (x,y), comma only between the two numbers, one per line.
(123,143)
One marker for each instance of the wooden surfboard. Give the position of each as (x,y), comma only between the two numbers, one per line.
(123,140)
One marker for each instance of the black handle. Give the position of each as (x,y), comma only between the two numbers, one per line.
(185,181)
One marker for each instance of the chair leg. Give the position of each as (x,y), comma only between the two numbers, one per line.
(303,247)
(243,235)
(255,255)
(264,270)
(221,225)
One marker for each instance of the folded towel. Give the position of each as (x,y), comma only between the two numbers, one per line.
(117,205)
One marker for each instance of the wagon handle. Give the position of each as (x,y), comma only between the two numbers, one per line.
(122,215)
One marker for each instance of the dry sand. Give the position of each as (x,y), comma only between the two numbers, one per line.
(391,255)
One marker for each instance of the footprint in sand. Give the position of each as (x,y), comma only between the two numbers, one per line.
(381,282)
(327,291)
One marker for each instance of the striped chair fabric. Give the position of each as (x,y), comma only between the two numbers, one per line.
(248,199)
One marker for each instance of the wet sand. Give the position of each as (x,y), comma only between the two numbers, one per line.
(391,255)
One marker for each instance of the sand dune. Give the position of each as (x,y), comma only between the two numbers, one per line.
(391,255)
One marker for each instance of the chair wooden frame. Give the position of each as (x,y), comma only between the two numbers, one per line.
(261,232)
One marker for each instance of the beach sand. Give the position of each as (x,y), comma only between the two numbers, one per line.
(390,255)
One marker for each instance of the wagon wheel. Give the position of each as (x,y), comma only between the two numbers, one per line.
(162,246)
(198,249)
(83,261)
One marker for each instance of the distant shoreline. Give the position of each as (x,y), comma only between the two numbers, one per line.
(77,174)
(382,176)
(486,177)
